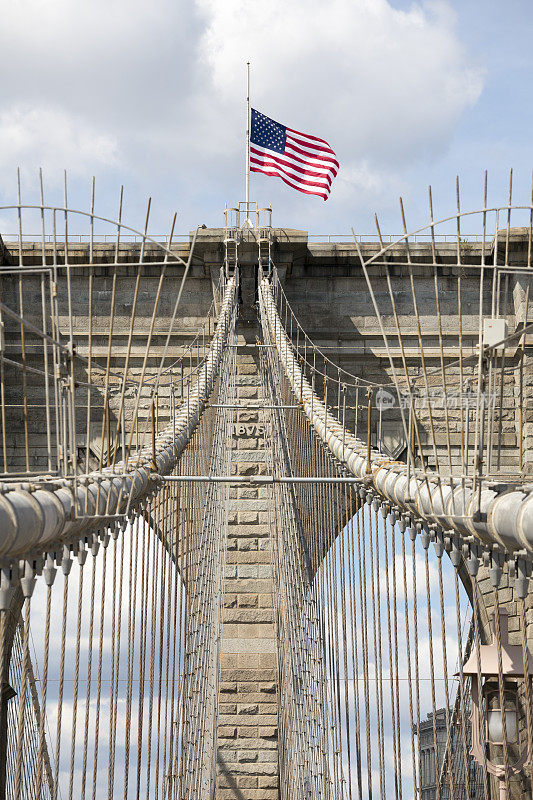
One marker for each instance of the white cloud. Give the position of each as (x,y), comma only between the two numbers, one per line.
(376,81)
(54,139)
(420,577)
(154,93)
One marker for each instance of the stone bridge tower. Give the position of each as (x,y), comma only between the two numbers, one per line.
(326,288)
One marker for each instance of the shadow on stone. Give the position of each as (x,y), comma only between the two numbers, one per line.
(232,784)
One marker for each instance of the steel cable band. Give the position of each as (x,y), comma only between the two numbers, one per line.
(32,517)
(501,514)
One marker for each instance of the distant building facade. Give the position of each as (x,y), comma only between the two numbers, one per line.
(467,784)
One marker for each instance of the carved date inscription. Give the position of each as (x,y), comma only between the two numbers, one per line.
(248,430)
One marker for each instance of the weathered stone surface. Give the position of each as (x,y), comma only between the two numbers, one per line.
(248,637)
(226,732)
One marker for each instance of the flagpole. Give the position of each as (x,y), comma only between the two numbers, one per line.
(248,142)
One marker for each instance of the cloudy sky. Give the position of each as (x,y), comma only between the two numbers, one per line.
(151,95)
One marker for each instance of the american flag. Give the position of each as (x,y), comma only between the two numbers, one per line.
(304,162)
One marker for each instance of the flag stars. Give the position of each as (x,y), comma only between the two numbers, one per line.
(302,161)
(265,132)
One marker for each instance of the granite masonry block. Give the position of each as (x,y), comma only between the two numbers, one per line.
(242,782)
(248,416)
(246,369)
(244,456)
(248,616)
(247,794)
(248,719)
(249,557)
(252,741)
(248,693)
(248,544)
(248,517)
(249,504)
(268,782)
(237,674)
(263,571)
(268,732)
(248,601)
(247,444)
(247,393)
(248,571)
(227,732)
(244,531)
(251,733)
(247,379)
(247,493)
(256,769)
(247,756)
(239,586)
(242,467)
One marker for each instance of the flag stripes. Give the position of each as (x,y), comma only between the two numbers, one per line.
(304,162)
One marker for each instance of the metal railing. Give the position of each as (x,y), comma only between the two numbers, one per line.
(183,238)
(392,237)
(85,238)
